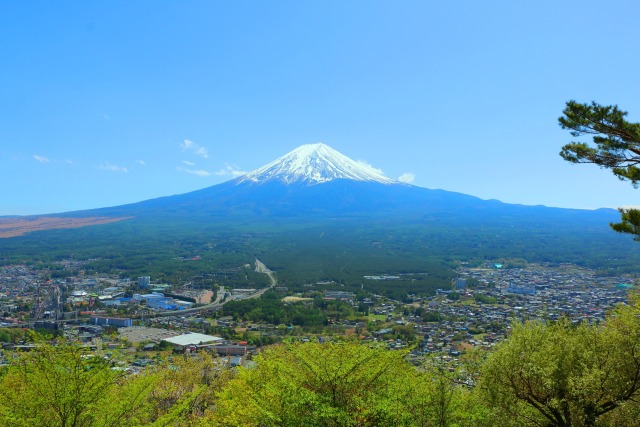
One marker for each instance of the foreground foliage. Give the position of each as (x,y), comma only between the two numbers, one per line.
(337,384)
(561,374)
(59,386)
(545,374)
(63,386)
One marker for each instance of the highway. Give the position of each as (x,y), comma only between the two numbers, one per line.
(260,268)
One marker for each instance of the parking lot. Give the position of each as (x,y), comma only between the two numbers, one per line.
(141,333)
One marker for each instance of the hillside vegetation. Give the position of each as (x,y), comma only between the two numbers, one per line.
(553,374)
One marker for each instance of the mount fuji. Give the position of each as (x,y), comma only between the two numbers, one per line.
(333,207)
(316,181)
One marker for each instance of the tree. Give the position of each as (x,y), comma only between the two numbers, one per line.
(330,384)
(184,390)
(64,386)
(616,147)
(435,397)
(565,375)
(61,386)
(344,383)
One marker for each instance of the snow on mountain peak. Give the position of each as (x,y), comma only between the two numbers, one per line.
(314,164)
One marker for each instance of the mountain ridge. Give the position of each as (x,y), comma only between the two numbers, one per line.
(316,180)
(333,228)
(312,179)
(286,190)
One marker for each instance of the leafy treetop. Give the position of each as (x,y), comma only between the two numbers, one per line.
(617,141)
(617,147)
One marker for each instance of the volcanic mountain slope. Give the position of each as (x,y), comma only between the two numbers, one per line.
(316,181)
(314,210)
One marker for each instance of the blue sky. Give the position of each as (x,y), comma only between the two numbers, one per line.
(106,103)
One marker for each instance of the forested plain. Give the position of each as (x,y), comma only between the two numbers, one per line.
(339,250)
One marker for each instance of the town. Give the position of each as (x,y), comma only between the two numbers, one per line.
(142,318)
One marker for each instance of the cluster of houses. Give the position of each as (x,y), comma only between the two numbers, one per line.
(16,287)
(535,292)
(487,301)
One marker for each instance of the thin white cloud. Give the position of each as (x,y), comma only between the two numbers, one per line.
(69,162)
(231,170)
(228,170)
(141,162)
(107,166)
(198,150)
(407,178)
(198,172)
(368,165)
(234,170)
(106,117)
(41,159)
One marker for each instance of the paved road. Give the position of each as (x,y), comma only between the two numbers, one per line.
(260,268)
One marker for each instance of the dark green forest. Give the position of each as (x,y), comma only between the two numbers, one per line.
(303,252)
(310,315)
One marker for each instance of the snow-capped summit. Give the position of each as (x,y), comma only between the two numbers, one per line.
(314,164)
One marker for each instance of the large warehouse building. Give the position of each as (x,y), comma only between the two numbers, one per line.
(194,339)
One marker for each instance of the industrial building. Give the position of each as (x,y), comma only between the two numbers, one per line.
(194,339)
(118,322)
